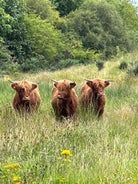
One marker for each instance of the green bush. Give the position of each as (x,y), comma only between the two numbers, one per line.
(100,27)
(100,65)
(85,56)
(64,64)
(133,69)
(10,67)
(34,64)
(123,65)
(9,64)
(5,54)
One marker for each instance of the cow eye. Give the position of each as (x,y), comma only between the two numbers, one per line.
(62,89)
(100,86)
(95,85)
(22,90)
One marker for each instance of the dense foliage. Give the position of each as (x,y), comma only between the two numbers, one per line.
(66,6)
(100,28)
(52,34)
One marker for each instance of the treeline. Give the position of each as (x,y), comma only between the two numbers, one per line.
(52,34)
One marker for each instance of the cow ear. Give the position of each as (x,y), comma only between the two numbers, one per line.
(14,85)
(89,83)
(55,84)
(106,83)
(72,84)
(34,86)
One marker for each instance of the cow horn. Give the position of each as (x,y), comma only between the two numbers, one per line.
(109,80)
(88,80)
(54,80)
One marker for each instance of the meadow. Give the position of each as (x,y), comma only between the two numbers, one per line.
(35,149)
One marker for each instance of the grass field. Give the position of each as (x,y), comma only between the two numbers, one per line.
(96,152)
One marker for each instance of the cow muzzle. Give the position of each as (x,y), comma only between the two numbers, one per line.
(61,97)
(100,93)
(26,98)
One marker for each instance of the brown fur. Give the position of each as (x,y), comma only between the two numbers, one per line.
(27,97)
(92,95)
(64,99)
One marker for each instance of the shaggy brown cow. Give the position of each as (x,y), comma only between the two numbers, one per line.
(27,97)
(92,95)
(64,99)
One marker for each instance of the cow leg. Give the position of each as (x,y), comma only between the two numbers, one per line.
(27,107)
(100,105)
(100,112)
(56,112)
(18,107)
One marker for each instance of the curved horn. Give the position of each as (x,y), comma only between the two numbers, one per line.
(88,80)
(54,80)
(109,80)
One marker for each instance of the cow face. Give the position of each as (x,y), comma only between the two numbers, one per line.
(98,85)
(64,89)
(23,90)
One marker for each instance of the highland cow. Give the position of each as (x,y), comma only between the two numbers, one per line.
(27,97)
(92,96)
(64,99)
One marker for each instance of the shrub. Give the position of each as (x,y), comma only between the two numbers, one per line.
(64,64)
(34,64)
(123,65)
(133,69)
(85,56)
(12,67)
(100,65)
(101,28)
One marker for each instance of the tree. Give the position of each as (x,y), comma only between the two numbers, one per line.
(66,6)
(15,39)
(4,21)
(44,38)
(45,9)
(100,27)
(129,14)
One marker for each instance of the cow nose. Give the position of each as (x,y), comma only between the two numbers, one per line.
(59,96)
(100,93)
(26,98)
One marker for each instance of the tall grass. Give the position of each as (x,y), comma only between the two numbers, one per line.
(104,151)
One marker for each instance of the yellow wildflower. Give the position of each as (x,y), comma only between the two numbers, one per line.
(16,179)
(9,79)
(12,166)
(66,153)
(62,180)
